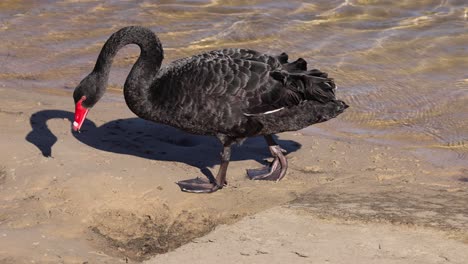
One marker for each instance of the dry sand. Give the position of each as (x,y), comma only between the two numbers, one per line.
(107,195)
(285,235)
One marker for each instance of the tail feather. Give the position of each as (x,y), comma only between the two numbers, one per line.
(282,58)
(297,85)
(317,73)
(300,65)
(304,86)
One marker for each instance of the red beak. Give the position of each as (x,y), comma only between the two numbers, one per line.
(80,114)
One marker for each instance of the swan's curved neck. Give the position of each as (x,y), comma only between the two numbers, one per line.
(137,85)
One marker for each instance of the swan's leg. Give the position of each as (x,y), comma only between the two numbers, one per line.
(198,185)
(225,157)
(278,167)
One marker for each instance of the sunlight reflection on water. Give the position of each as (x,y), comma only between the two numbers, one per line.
(400,65)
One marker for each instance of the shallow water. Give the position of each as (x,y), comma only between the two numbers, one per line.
(401,65)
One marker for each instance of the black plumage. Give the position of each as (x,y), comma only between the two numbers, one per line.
(230,93)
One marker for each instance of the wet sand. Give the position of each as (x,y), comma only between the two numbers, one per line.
(107,195)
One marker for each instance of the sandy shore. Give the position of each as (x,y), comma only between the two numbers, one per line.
(286,235)
(107,195)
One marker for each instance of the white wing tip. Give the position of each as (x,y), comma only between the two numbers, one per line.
(265,113)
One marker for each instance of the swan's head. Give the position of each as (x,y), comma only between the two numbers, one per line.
(86,95)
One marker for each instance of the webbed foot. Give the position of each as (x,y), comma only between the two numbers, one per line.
(276,171)
(198,185)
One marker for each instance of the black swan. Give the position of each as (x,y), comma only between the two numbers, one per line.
(230,93)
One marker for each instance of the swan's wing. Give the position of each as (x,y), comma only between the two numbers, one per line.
(216,74)
(243,81)
(296,88)
(252,55)
(297,84)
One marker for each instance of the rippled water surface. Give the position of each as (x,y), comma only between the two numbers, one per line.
(401,65)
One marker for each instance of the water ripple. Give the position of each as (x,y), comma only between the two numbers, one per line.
(401,65)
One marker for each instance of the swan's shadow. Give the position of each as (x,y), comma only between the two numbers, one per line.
(137,137)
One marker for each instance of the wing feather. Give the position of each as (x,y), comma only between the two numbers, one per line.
(246,80)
